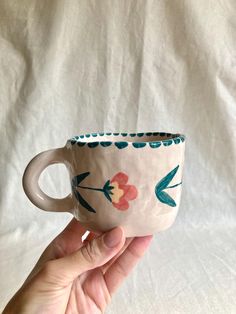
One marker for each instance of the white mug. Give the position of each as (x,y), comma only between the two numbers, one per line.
(117,179)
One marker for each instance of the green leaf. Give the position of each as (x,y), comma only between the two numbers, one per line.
(165,198)
(75,182)
(106,185)
(78,179)
(161,185)
(83,202)
(107,190)
(107,196)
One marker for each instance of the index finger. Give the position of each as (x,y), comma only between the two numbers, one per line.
(70,239)
(120,269)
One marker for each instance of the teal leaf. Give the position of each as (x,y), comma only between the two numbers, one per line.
(75,182)
(165,198)
(166,180)
(163,184)
(78,179)
(107,195)
(83,202)
(87,135)
(107,190)
(106,185)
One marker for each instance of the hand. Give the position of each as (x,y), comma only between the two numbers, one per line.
(73,276)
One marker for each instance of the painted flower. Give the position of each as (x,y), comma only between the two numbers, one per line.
(121,192)
(116,190)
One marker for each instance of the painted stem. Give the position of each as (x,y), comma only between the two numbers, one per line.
(88,188)
(173,186)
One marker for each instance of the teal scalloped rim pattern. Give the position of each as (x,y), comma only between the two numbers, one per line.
(176,139)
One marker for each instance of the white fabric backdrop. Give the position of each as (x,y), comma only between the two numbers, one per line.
(69,67)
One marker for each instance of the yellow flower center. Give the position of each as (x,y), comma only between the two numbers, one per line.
(117,193)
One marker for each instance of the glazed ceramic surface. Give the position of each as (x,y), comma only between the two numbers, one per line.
(117,179)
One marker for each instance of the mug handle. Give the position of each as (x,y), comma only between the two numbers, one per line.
(31,177)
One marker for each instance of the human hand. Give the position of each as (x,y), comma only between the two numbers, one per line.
(73,276)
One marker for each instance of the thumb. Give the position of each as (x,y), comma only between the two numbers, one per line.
(94,254)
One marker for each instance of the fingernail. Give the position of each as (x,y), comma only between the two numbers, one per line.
(113,237)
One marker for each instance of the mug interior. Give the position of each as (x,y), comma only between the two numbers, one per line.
(128,137)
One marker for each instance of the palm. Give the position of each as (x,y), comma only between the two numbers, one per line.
(88,295)
(91,291)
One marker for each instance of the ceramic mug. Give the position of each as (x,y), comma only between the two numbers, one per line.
(117,179)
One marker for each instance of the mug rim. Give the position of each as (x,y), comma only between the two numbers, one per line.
(80,140)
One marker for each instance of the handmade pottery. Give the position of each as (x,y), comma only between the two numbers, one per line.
(117,179)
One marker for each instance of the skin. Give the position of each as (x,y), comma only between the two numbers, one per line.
(72,276)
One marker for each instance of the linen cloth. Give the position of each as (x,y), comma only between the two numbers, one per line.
(70,67)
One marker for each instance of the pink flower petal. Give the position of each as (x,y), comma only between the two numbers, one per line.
(120,177)
(122,205)
(130,192)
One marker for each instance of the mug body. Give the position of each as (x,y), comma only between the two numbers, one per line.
(129,180)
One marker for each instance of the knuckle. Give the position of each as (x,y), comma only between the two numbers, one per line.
(90,252)
(48,268)
(121,269)
(134,253)
(51,276)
